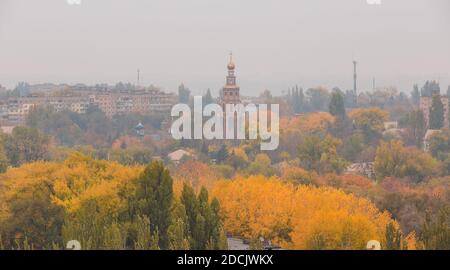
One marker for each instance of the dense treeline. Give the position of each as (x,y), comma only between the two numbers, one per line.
(301,196)
(94,127)
(405,173)
(50,135)
(104,205)
(303,217)
(22,146)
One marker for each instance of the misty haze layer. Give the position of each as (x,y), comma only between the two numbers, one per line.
(276,43)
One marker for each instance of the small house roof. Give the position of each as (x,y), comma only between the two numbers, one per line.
(430,133)
(139,126)
(178,154)
(7,129)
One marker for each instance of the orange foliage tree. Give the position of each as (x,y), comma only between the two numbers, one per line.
(302,217)
(394,159)
(370,121)
(196,173)
(63,188)
(292,129)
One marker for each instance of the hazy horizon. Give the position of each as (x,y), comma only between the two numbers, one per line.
(306,42)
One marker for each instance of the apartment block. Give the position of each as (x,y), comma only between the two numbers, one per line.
(15,110)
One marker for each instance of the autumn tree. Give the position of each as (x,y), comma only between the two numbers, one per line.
(393,238)
(4,162)
(103,205)
(93,127)
(261,165)
(320,154)
(439,144)
(33,217)
(302,217)
(25,145)
(353,146)
(222,154)
(238,159)
(416,127)
(393,159)
(297,175)
(370,121)
(436,230)
(196,173)
(50,203)
(293,129)
(250,211)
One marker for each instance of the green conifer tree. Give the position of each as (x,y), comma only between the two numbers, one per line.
(436,113)
(154,196)
(337,107)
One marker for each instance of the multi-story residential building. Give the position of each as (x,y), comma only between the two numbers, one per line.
(143,103)
(3,110)
(111,103)
(17,112)
(106,103)
(161,102)
(74,104)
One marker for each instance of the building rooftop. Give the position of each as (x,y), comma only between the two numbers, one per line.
(178,155)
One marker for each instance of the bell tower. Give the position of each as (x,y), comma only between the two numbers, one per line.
(230,92)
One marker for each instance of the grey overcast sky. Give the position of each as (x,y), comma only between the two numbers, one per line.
(276,43)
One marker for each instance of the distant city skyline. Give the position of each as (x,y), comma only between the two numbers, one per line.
(275,46)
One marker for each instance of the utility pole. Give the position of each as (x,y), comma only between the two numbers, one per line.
(354,76)
(138,77)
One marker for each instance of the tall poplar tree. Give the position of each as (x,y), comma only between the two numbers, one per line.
(154,196)
(415,95)
(436,113)
(205,225)
(337,107)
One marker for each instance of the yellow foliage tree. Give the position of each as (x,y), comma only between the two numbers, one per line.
(312,122)
(197,173)
(394,159)
(78,182)
(370,121)
(302,217)
(255,207)
(292,129)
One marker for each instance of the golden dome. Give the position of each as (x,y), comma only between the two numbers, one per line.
(231,65)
